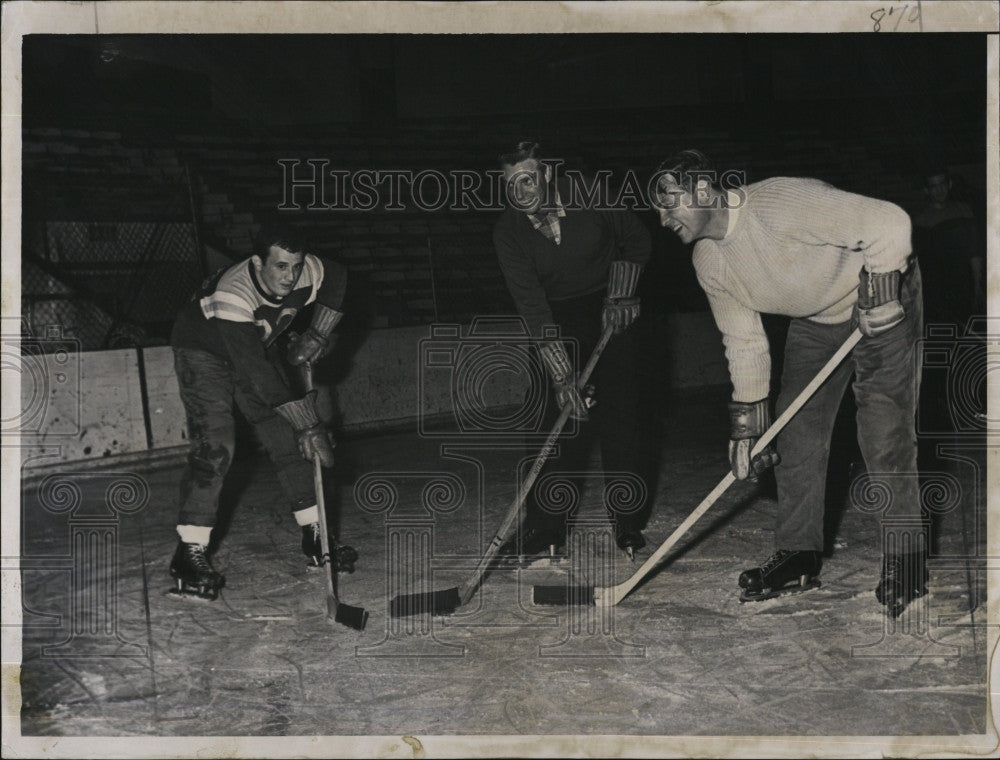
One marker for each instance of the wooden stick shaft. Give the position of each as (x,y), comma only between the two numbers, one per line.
(513,516)
(624,588)
(821,377)
(324,535)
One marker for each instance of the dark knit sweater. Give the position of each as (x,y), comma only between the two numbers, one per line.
(538,271)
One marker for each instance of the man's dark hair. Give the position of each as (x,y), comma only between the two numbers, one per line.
(936,170)
(521,152)
(687,166)
(279,235)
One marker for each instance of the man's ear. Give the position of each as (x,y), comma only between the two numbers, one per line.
(258,262)
(548,172)
(703,193)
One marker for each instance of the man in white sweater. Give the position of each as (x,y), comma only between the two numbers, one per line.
(832,261)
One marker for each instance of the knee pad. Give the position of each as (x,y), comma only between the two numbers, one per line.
(209,462)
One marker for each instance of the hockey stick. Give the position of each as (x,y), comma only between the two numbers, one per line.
(345,614)
(448,600)
(608,596)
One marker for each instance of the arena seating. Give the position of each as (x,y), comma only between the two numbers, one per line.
(214,189)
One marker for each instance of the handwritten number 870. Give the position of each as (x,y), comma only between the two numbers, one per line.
(881,13)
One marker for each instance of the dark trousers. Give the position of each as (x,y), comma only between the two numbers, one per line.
(614,421)
(886,389)
(209,390)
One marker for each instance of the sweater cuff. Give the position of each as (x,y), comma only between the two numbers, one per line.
(623,278)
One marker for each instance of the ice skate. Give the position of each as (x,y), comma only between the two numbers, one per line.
(536,544)
(904,579)
(194,575)
(630,541)
(344,556)
(784,572)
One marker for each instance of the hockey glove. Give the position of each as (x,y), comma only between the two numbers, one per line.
(621,304)
(747,423)
(878,308)
(317,341)
(311,434)
(556,361)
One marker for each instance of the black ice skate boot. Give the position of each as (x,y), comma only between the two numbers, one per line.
(783,572)
(193,572)
(629,540)
(904,578)
(344,556)
(536,541)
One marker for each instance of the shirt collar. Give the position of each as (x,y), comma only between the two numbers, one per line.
(537,219)
(260,288)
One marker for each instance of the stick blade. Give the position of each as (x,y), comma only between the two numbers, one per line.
(346,614)
(562,595)
(434,602)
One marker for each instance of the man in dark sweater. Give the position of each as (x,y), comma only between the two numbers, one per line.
(226,352)
(577,268)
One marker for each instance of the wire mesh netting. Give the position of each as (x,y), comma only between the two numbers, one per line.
(108,264)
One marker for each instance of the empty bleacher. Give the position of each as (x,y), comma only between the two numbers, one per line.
(154,210)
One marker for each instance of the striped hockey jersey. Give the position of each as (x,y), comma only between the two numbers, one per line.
(234,318)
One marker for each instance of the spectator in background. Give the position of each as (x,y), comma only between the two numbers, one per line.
(578,267)
(947,245)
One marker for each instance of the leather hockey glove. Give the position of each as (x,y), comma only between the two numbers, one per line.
(556,362)
(878,307)
(747,423)
(311,434)
(318,339)
(621,304)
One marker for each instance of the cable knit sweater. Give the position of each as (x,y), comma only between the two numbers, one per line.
(794,247)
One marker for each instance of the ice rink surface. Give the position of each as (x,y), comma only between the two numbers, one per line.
(108,653)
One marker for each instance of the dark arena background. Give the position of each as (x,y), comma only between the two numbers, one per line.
(150,161)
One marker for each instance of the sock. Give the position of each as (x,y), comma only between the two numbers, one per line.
(194,534)
(307,516)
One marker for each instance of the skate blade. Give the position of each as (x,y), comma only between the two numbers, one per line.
(772,593)
(526,561)
(192,595)
(312,566)
(517,561)
(314,563)
(542,563)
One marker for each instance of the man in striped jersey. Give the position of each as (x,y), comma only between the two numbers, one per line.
(227,351)
(832,261)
